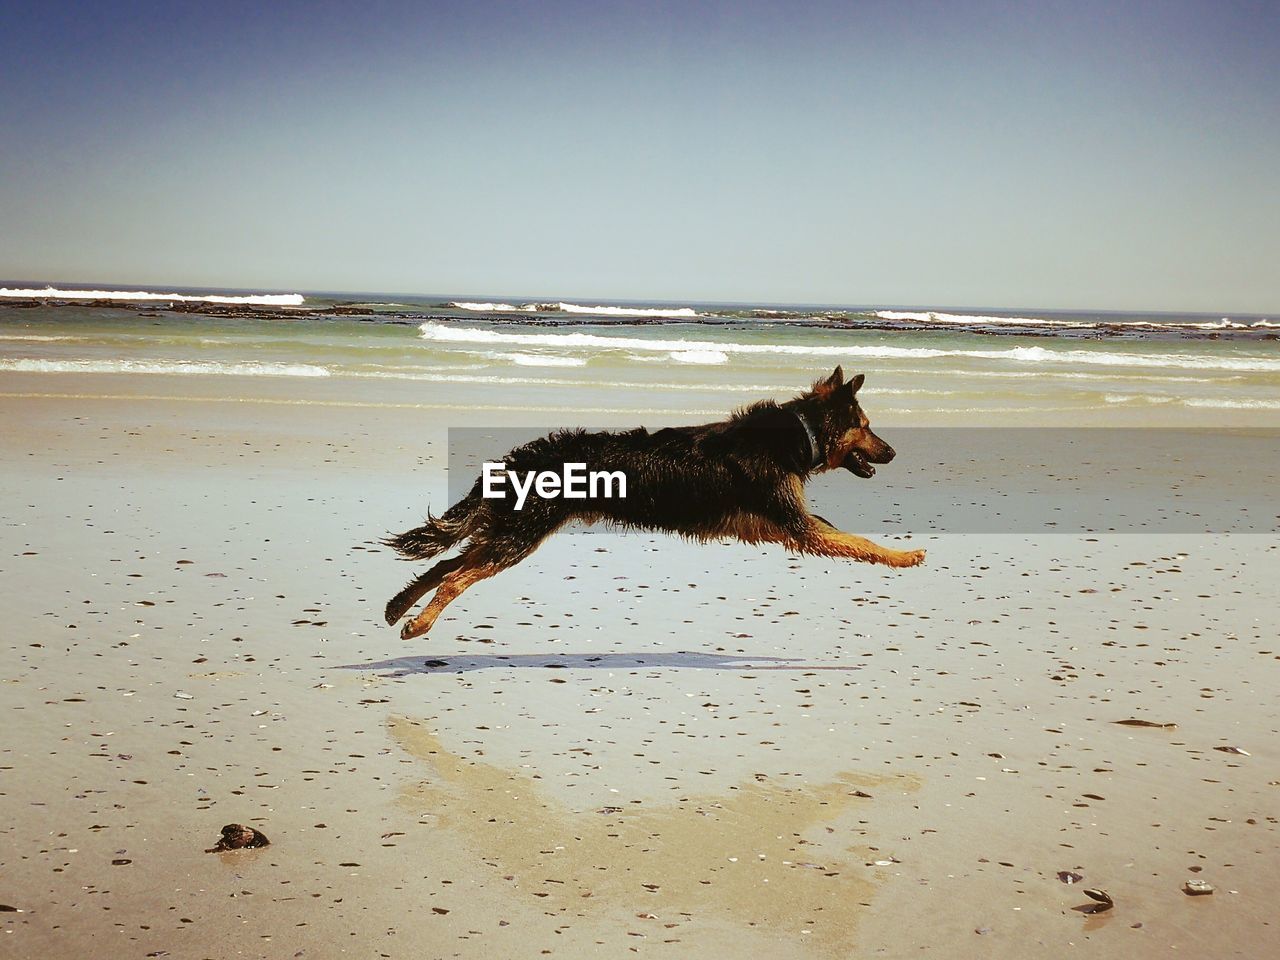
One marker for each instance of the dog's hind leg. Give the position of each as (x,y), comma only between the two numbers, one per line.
(450,589)
(482,560)
(824,540)
(418,588)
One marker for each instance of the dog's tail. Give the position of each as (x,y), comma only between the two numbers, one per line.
(440,533)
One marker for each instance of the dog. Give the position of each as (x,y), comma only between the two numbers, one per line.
(742,477)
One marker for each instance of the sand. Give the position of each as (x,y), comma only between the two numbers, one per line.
(626,744)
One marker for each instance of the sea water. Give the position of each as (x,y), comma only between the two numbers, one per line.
(611,355)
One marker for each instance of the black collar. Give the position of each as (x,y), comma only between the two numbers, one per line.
(815,450)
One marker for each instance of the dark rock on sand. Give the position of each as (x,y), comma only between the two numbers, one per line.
(236,836)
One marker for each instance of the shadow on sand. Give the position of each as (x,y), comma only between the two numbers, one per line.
(404,666)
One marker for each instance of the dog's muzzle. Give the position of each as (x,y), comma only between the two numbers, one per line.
(860,464)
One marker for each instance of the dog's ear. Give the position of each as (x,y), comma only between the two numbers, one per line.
(849,392)
(823,389)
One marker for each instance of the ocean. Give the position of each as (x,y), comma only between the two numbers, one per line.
(641,355)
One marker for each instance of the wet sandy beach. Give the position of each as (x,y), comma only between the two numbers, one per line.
(625,744)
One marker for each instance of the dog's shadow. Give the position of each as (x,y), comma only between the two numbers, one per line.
(463,663)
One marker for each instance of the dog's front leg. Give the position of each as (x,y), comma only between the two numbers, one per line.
(824,540)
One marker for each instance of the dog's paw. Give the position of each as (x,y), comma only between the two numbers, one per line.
(407,632)
(913,558)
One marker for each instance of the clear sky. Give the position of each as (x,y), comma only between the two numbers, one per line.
(1071,155)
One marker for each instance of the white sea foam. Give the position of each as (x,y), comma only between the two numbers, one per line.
(1205,402)
(518,357)
(1232,404)
(1065,375)
(488,307)
(933,316)
(432,375)
(1223,324)
(599,311)
(755,389)
(708,357)
(441,333)
(165,367)
(540,360)
(1136,397)
(1162,360)
(1228,323)
(35,337)
(930,411)
(263,299)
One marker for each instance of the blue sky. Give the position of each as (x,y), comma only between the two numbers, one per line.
(1072,155)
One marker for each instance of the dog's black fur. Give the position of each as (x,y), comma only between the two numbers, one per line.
(742,477)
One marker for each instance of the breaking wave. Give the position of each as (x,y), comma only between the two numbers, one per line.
(1136,398)
(708,357)
(487,307)
(36,337)
(1233,404)
(441,333)
(54,293)
(983,320)
(165,366)
(628,311)
(540,360)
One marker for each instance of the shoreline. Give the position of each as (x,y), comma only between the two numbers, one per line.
(620,408)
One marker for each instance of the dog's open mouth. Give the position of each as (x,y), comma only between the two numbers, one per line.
(858,465)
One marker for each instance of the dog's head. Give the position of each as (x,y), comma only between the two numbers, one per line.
(843,428)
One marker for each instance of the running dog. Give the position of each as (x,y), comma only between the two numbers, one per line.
(742,477)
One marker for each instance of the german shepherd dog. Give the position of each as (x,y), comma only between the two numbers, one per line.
(742,477)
